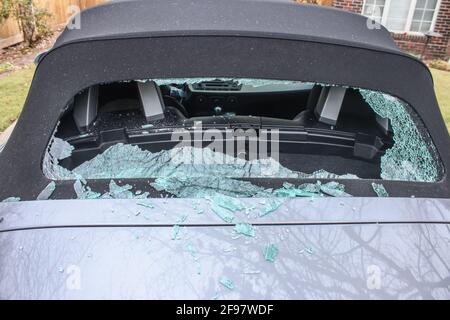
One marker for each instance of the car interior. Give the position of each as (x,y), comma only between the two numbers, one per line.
(320,126)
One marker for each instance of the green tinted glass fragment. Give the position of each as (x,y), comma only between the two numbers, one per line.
(61,149)
(183,186)
(47,192)
(227,202)
(12,199)
(192,251)
(334,189)
(245,229)
(119,192)
(270,252)
(84,192)
(227,283)
(380,190)
(294,192)
(270,207)
(175,231)
(222,213)
(410,158)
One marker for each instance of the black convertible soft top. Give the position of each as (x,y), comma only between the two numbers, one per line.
(256,18)
(140,39)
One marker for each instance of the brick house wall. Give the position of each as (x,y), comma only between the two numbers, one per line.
(437,48)
(349,5)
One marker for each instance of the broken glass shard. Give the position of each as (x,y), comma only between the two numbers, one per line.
(202,187)
(175,231)
(270,252)
(272,206)
(222,213)
(119,192)
(380,190)
(60,149)
(47,192)
(245,229)
(227,202)
(12,199)
(334,189)
(192,251)
(290,191)
(410,158)
(227,283)
(84,192)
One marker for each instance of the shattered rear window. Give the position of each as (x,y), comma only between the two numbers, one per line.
(181,131)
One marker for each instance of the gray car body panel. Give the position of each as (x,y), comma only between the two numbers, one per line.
(329,248)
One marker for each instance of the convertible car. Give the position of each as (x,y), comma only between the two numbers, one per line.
(237,149)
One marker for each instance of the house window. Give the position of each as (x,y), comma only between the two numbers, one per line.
(374,9)
(423,15)
(403,15)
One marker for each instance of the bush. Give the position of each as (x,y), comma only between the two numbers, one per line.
(439,64)
(43,28)
(33,21)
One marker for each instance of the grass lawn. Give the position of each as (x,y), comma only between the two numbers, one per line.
(13,92)
(14,88)
(442,87)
